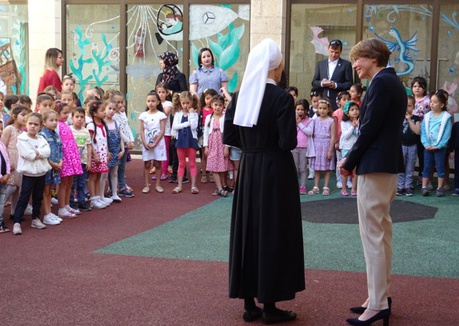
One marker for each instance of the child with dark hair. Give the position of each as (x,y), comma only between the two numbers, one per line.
(410,137)
(435,134)
(206,110)
(305,128)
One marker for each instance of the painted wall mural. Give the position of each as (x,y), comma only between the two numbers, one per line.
(151,30)
(13,56)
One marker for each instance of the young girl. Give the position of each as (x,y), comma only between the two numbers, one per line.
(349,133)
(304,128)
(435,134)
(206,110)
(33,152)
(324,140)
(5,170)
(356,93)
(152,127)
(45,102)
(342,98)
(9,138)
(52,177)
(185,128)
(51,90)
(217,153)
(9,103)
(115,147)
(128,138)
(71,164)
(68,98)
(163,92)
(99,157)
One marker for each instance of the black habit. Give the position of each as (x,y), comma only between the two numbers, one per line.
(266,242)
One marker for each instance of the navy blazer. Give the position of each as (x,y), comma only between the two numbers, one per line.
(378,147)
(342,76)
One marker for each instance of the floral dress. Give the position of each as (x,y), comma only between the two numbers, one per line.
(322,138)
(100,145)
(216,160)
(71,163)
(10,139)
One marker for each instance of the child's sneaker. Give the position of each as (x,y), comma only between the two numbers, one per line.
(28,210)
(50,220)
(37,224)
(84,207)
(72,210)
(440,192)
(57,218)
(54,201)
(125,193)
(116,199)
(456,192)
(303,190)
(425,192)
(409,192)
(106,201)
(64,213)
(95,203)
(17,229)
(400,192)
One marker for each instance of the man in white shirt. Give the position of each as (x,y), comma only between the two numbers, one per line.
(333,75)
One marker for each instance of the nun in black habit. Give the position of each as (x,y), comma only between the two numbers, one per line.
(266,259)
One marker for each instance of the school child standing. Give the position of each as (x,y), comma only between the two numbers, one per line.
(9,103)
(5,170)
(304,128)
(206,110)
(128,139)
(410,137)
(33,152)
(99,156)
(152,128)
(9,138)
(83,141)
(71,164)
(342,98)
(216,152)
(185,128)
(435,134)
(356,93)
(52,177)
(163,92)
(349,133)
(324,141)
(45,102)
(454,148)
(115,147)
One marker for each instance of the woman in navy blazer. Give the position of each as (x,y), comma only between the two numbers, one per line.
(377,157)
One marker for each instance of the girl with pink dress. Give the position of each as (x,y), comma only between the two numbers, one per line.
(217,153)
(71,163)
(324,146)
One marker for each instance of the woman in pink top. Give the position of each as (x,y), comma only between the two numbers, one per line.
(50,77)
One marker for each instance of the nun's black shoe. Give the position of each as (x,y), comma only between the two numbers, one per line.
(278,316)
(252,314)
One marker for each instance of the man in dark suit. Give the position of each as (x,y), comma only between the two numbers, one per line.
(377,157)
(333,74)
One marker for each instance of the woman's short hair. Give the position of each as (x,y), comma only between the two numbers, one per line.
(371,48)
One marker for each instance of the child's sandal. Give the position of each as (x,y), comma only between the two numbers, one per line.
(326,191)
(314,191)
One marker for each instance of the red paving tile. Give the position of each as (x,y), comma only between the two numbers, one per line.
(52,277)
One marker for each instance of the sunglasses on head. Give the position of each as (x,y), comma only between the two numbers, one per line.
(336,42)
(314,93)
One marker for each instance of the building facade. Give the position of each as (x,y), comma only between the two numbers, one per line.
(116,43)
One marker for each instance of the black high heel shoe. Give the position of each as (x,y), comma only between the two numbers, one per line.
(360,310)
(383,314)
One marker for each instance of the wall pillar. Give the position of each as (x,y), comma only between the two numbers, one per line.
(268,19)
(44,33)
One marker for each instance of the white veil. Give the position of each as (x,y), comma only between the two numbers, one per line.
(264,57)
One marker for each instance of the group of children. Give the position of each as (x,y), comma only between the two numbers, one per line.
(61,148)
(174,129)
(325,137)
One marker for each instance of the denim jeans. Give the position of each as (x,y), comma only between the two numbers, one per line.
(79,183)
(121,171)
(3,187)
(405,179)
(434,159)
